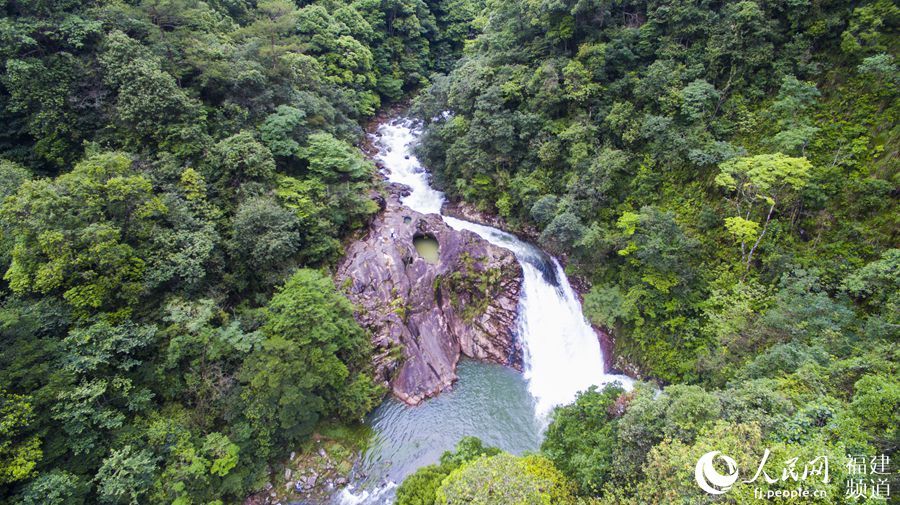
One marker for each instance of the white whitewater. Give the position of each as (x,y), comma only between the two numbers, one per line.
(561,351)
(562,354)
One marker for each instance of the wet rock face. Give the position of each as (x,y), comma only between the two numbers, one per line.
(424,315)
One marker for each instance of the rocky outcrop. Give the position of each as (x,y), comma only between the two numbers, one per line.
(424,315)
(471,213)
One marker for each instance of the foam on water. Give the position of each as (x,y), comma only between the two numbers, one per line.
(395,152)
(351,496)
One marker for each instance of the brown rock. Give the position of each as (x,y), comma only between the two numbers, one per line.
(423,316)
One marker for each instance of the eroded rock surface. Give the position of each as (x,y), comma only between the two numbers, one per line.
(423,315)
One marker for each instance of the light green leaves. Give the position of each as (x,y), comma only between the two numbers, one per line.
(74,234)
(505,479)
(764,175)
(19,451)
(222,451)
(742,229)
(334,160)
(773,180)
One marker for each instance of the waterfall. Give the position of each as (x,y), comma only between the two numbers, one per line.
(562,354)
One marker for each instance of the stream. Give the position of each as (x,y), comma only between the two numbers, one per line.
(504,408)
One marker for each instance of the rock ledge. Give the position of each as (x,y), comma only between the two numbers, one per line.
(423,316)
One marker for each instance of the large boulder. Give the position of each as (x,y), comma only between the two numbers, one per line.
(424,314)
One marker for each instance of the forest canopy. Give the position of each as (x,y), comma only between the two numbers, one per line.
(178,180)
(723,176)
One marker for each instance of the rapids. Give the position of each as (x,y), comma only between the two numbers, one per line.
(562,356)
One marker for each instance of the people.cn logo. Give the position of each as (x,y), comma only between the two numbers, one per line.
(709,479)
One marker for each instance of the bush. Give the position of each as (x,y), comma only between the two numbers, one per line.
(506,480)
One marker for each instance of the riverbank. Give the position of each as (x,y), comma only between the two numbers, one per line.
(323,466)
(408,305)
(316,470)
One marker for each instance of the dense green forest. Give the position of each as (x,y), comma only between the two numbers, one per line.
(724,176)
(177,178)
(689,158)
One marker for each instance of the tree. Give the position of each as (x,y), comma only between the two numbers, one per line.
(688,410)
(506,480)
(185,249)
(876,283)
(595,186)
(274,24)
(125,476)
(192,467)
(41,90)
(658,246)
(870,28)
(311,365)
(563,231)
(790,112)
(207,347)
(333,160)
(699,100)
(238,160)
(19,450)
(283,131)
(346,62)
(544,209)
(12,175)
(104,348)
(266,236)
(421,487)
(319,213)
(79,236)
(756,181)
(105,360)
(670,467)
(55,488)
(90,410)
(150,105)
(581,437)
(678,412)
(882,68)
(876,402)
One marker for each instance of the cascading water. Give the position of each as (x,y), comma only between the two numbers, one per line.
(562,355)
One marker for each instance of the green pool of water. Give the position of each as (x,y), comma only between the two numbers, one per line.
(427,248)
(489,401)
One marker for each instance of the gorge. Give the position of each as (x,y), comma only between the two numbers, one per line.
(219,284)
(560,351)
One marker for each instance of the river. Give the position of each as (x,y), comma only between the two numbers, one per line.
(562,356)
